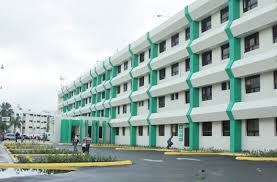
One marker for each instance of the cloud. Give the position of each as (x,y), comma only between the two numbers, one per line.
(41,40)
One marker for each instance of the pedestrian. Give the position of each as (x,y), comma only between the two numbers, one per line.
(84,144)
(88,141)
(16,136)
(75,143)
(33,138)
(169,142)
(22,138)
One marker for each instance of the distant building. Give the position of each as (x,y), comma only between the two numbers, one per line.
(35,123)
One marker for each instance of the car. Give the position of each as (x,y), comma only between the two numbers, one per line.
(9,136)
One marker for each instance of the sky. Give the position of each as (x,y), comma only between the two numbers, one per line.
(41,40)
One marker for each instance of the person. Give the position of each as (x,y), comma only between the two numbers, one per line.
(16,136)
(22,138)
(33,138)
(84,144)
(75,143)
(169,142)
(88,141)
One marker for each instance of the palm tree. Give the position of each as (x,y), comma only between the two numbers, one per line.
(6,110)
(3,129)
(15,122)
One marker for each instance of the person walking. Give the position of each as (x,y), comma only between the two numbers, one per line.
(16,136)
(75,143)
(169,142)
(84,144)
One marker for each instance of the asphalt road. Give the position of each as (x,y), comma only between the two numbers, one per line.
(150,166)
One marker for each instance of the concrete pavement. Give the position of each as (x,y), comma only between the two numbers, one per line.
(155,166)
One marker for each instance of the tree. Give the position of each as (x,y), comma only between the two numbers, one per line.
(6,110)
(3,129)
(15,122)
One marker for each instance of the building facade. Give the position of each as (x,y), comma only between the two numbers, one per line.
(35,124)
(207,76)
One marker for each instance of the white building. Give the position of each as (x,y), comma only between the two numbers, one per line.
(206,76)
(34,123)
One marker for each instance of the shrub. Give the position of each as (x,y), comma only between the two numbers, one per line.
(43,151)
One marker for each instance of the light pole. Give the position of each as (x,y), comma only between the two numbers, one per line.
(2,67)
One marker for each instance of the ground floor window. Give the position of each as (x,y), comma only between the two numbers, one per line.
(161,130)
(123,131)
(174,129)
(140,130)
(100,131)
(225,128)
(207,129)
(117,131)
(252,127)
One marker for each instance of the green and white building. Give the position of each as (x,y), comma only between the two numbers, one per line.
(207,76)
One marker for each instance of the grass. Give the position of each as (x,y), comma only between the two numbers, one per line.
(77,158)
(266,153)
(43,151)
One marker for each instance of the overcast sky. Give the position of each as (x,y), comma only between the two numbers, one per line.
(43,39)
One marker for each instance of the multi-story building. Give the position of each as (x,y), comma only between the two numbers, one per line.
(207,76)
(35,123)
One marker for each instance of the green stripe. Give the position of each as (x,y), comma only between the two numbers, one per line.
(235,83)
(152,100)
(194,92)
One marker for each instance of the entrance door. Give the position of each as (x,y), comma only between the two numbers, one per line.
(186,139)
(89,131)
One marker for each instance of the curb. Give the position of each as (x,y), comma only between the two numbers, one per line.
(145,149)
(206,153)
(274,159)
(66,165)
(35,155)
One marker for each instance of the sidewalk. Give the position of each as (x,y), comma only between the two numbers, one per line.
(4,156)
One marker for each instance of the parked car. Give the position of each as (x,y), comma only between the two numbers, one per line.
(9,136)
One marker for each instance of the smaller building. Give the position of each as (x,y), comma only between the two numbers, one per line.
(35,123)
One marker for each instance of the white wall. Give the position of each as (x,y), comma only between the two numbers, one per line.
(123,140)
(143,140)
(267,139)
(216,141)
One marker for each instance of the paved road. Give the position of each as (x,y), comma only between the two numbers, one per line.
(152,166)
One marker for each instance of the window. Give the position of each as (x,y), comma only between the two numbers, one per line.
(225,128)
(207,129)
(103,77)
(102,113)
(275,126)
(123,131)
(141,57)
(224,15)
(149,55)
(225,51)
(275,79)
(252,127)
(126,65)
(118,110)
(141,81)
(207,93)
(251,42)
(187,97)
(141,103)
(125,87)
(187,33)
(103,95)
(174,96)
(206,24)
(140,130)
(162,74)
(118,89)
(274,29)
(187,64)
(252,84)
(118,69)
(162,46)
(207,58)
(174,130)
(124,109)
(117,131)
(175,40)
(249,4)
(161,130)
(148,104)
(175,69)
(100,131)
(225,85)
(161,101)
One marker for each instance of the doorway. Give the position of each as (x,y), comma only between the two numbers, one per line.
(89,131)
(186,137)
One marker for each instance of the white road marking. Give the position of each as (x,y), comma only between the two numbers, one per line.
(188,159)
(151,160)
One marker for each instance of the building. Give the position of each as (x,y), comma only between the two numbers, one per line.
(207,76)
(34,123)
